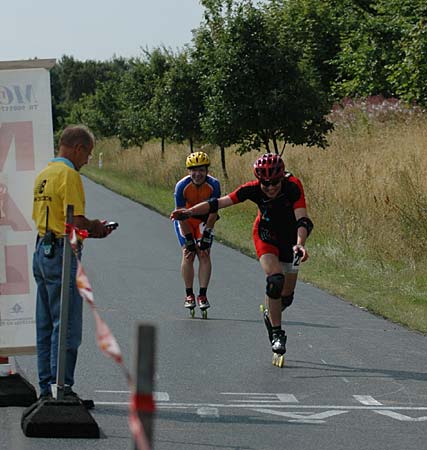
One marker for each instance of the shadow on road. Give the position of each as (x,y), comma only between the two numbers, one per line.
(335,370)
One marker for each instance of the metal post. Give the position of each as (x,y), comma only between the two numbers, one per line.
(145,378)
(65,300)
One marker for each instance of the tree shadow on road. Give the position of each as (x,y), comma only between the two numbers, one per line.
(337,370)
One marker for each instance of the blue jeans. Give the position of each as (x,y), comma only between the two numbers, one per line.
(48,275)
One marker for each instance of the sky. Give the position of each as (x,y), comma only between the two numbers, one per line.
(94,29)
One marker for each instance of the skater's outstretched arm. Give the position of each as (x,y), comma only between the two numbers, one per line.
(209,206)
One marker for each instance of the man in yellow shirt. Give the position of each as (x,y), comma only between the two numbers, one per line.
(57,186)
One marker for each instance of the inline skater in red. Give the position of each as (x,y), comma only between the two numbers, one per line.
(280,231)
(195,234)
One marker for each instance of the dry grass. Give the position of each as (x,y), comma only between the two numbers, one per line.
(369,189)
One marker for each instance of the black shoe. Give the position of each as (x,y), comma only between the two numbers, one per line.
(69,393)
(47,396)
(278,342)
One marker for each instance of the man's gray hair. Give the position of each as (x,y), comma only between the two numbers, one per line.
(77,134)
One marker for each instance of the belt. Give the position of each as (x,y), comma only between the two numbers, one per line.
(58,242)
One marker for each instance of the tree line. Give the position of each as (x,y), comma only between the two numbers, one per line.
(255,76)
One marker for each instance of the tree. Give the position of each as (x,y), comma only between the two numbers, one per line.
(182,100)
(260,91)
(72,79)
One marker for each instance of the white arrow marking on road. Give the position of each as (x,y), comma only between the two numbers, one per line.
(401,417)
(300,417)
(367,400)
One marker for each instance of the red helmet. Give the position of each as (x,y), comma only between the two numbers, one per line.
(269,167)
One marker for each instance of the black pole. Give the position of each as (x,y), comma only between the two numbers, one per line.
(145,378)
(65,300)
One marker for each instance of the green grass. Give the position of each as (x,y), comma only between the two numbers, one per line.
(391,291)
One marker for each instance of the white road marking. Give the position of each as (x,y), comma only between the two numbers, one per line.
(298,417)
(271,403)
(157,396)
(401,417)
(323,361)
(212,410)
(299,406)
(367,400)
(112,392)
(345,380)
(287,398)
(263,397)
(208,412)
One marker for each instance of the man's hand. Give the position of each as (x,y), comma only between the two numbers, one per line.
(180,214)
(98,229)
(206,240)
(301,251)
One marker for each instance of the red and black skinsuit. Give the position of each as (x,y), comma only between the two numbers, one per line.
(274,229)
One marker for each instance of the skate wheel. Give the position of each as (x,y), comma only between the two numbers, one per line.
(278,360)
(192,312)
(205,314)
(262,308)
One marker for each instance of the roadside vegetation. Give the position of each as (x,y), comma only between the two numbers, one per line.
(336,87)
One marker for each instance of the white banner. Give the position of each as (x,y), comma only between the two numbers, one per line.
(26,145)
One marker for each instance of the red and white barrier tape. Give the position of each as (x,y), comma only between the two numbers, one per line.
(109,346)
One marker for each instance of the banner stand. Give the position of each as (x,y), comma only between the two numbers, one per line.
(26,144)
(62,416)
(14,390)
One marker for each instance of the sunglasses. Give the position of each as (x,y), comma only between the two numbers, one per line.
(267,183)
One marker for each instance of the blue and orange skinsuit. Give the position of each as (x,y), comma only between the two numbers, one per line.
(188,194)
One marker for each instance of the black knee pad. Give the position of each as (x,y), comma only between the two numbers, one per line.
(275,284)
(287,300)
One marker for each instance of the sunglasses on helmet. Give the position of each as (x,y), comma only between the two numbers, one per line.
(267,183)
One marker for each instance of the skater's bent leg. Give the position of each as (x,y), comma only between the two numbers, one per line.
(187,268)
(274,273)
(288,289)
(205,268)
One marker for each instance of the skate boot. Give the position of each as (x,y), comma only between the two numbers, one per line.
(267,321)
(203,303)
(190,303)
(278,346)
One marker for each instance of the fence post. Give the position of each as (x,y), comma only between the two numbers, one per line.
(145,369)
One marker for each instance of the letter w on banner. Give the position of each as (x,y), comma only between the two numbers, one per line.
(107,343)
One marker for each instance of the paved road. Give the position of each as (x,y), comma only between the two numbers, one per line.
(351,380)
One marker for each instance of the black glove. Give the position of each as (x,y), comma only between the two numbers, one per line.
(190,243)
(207,239)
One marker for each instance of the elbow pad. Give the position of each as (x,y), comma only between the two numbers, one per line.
(306,223)
(213,205)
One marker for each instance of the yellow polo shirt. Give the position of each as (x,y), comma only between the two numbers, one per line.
(57,186)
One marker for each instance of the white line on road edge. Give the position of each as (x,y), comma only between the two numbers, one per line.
(276,406)
(367,400)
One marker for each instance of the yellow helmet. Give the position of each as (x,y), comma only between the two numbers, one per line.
(197,159)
